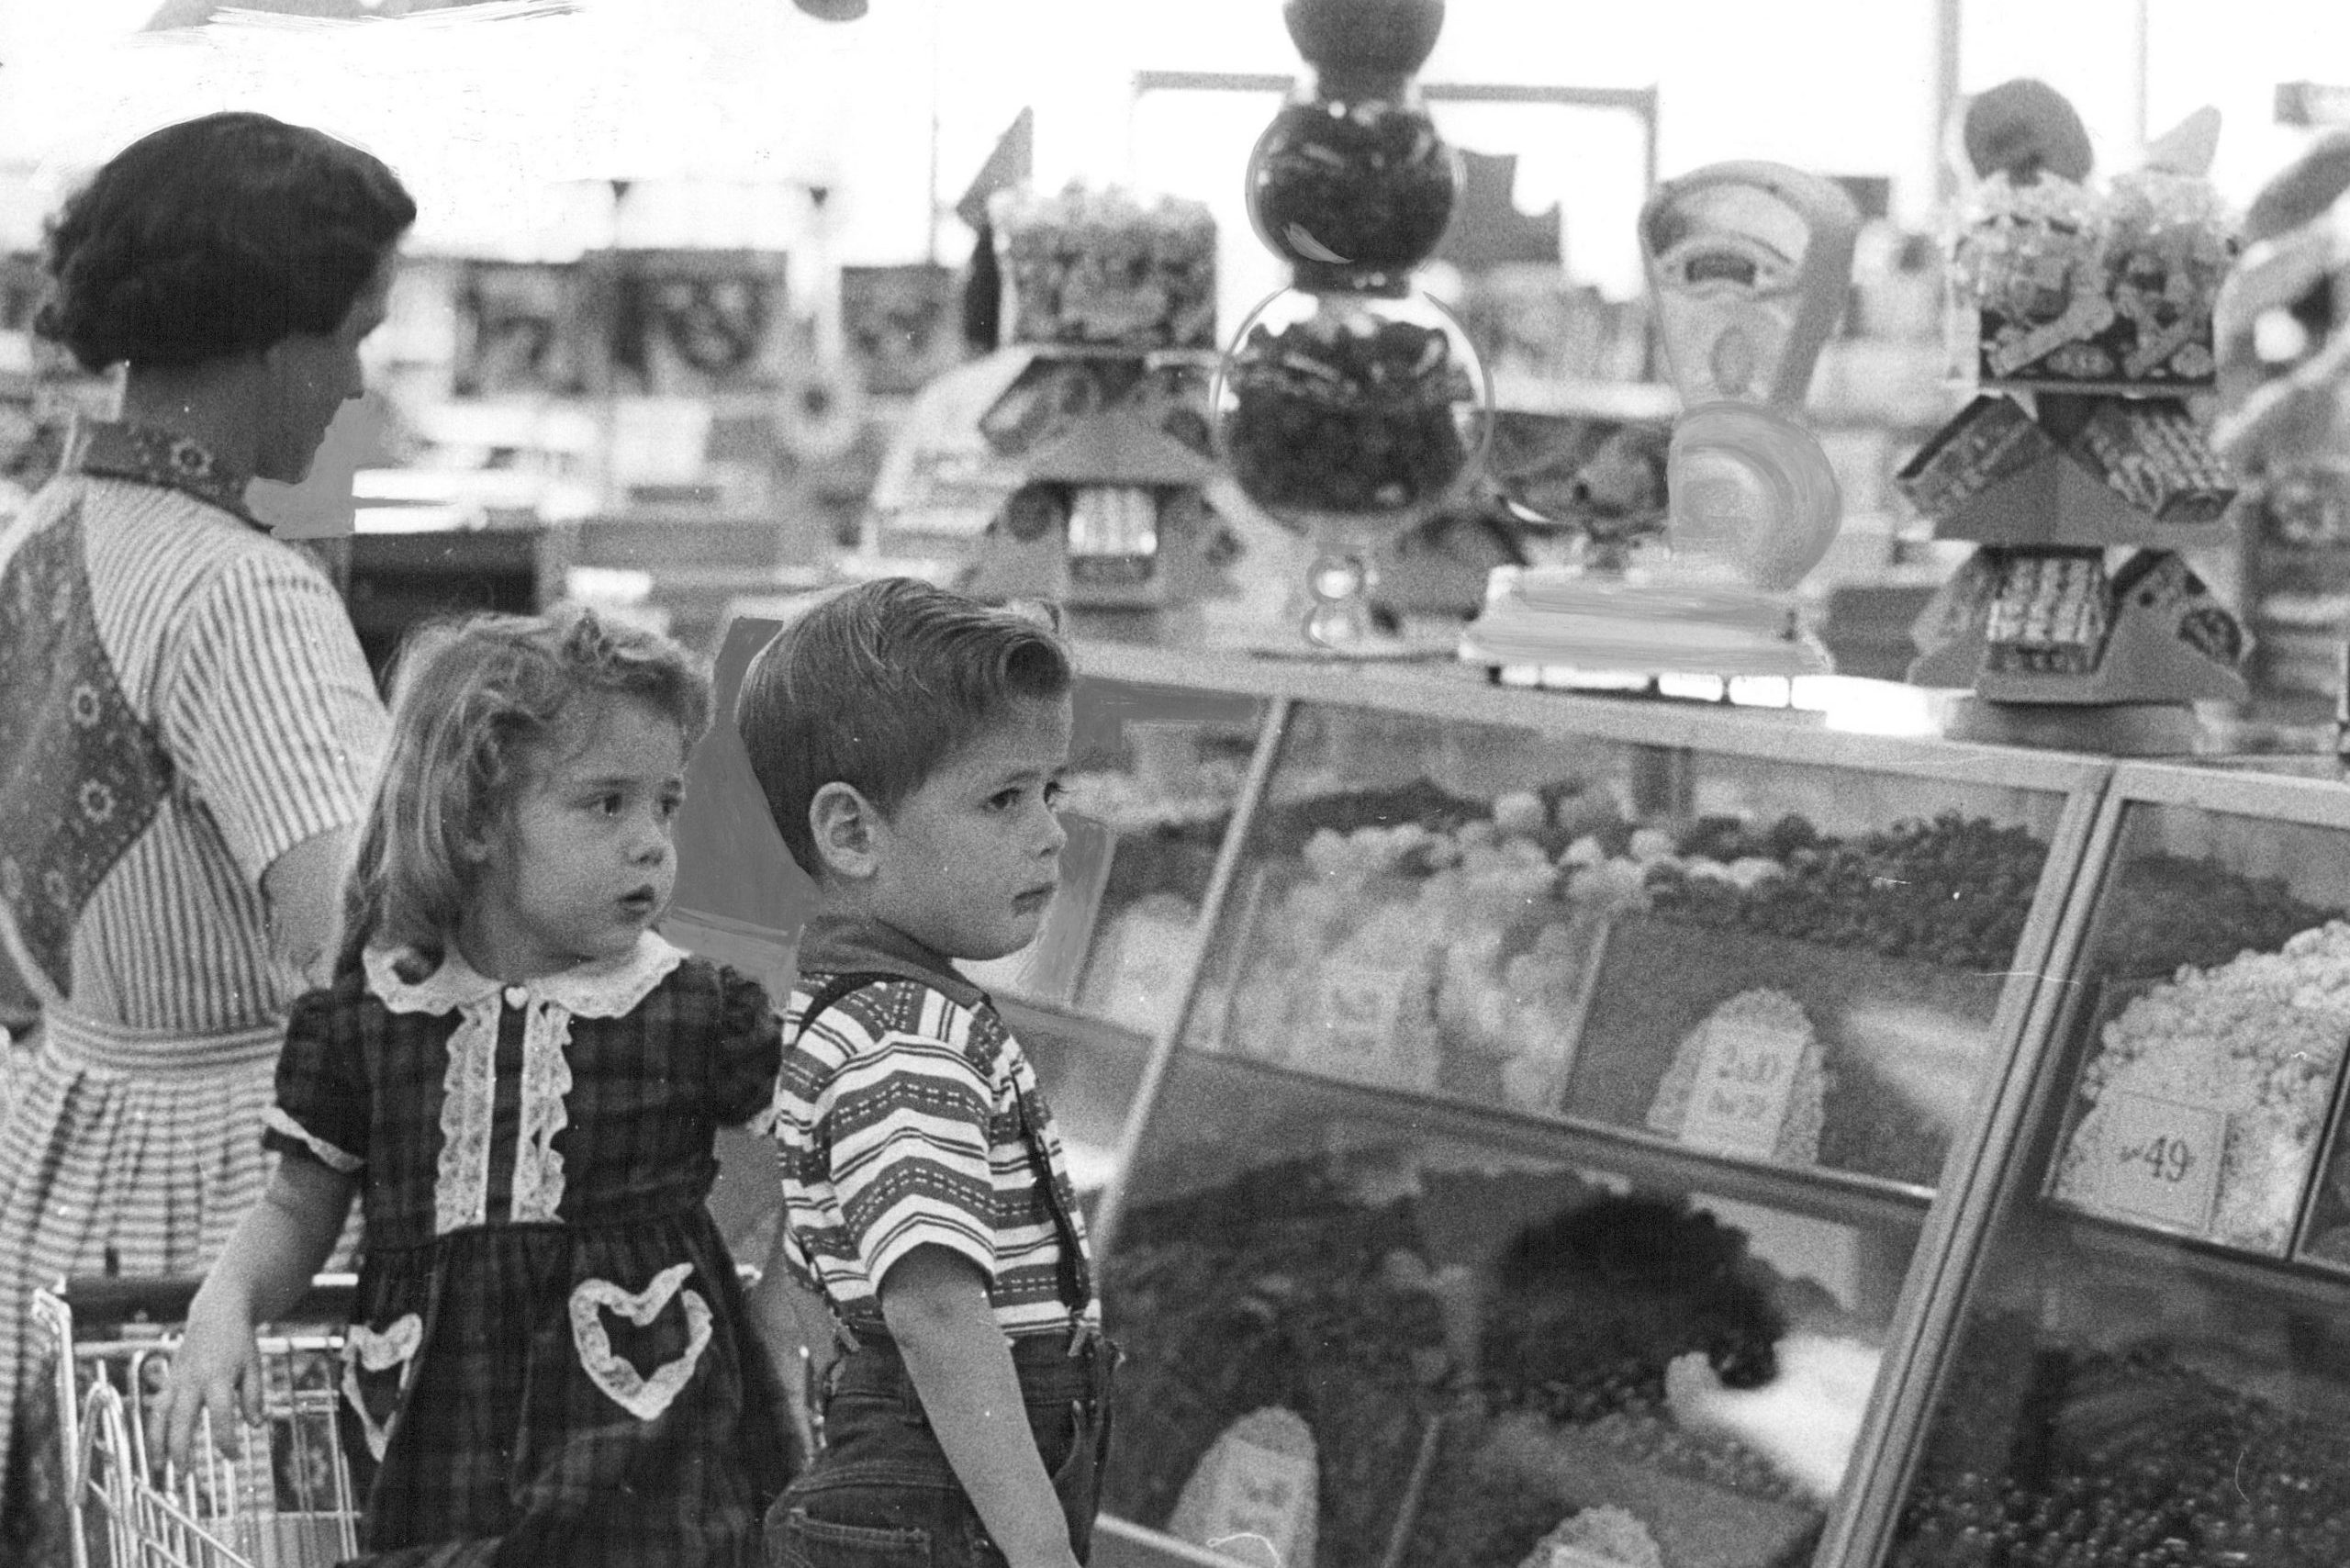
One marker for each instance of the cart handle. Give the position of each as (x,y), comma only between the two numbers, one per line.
(111,1301)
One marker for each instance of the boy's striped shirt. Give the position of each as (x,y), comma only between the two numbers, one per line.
(903,1116)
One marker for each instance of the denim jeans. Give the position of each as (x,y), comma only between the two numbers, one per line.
(881,1494)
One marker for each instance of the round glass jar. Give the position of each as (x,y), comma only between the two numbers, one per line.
(1363,410)
(1353,189)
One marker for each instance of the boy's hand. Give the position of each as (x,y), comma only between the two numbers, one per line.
(217,1372)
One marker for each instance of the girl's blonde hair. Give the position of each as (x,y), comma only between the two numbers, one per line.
(471,699)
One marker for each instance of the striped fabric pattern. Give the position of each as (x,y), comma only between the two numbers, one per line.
(904,1119)
(235,648)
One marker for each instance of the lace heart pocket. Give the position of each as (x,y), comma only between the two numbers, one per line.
(375,1368)
(641,1395)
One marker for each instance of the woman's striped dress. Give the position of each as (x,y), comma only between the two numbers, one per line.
(192,703)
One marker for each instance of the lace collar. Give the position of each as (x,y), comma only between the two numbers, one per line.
(607,989)
(109,449)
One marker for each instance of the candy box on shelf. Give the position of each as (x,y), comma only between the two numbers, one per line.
(2041,626)
(2152,453)
(2123,472)
(1087,269)
(2069,287)
(1991,438)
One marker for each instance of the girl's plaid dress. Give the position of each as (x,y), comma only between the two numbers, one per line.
(550,1361)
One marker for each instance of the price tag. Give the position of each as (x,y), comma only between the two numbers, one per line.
(2161,1160)
(1360,1007)
(1746,1079)
(1259,1505)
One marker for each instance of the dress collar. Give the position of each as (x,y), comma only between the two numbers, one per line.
(848,944)
(109,449)
(604,990)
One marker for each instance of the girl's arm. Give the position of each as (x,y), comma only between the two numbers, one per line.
(268,1264)
(935,1302)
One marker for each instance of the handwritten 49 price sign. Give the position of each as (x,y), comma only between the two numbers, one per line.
(2160,1161)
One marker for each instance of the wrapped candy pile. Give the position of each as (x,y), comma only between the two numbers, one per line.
(2070,284)
(1099,269)
(2258,1039)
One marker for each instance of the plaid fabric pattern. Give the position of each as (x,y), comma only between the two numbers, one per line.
(908,1118)
(534,1421)
(647,1090)
(503,1448)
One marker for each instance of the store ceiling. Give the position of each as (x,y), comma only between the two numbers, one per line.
(174,13)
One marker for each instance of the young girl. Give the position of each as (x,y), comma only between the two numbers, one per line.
(550,1359)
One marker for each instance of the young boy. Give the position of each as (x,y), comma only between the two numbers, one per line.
(910,742)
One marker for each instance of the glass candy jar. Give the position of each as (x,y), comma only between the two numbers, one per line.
(1351,184)
(1351,418)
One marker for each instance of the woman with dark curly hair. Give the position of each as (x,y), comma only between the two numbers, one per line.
(189,732)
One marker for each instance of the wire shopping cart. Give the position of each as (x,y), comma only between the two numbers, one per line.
(288,1503)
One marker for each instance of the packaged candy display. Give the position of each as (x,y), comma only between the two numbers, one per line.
(2162,583)
(2048,614)
(2068,285)
(1345,412)
(1099,269)
(1354,186)
(1991,440)
(2259,1040)
(2154,454)
(2148,1464)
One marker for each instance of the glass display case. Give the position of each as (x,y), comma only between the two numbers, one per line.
(1156,773)
(2149,1364)
(1550,1141)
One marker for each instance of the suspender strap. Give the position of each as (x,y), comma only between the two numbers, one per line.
(1076,1280)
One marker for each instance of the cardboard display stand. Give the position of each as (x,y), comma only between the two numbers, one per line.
(2058,648)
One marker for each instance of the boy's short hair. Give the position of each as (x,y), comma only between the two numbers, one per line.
(877,688)
(218,237)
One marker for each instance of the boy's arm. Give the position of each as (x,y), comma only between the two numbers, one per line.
(935,1302)
(790,1321)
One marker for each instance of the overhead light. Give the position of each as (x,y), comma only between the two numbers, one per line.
(833,10)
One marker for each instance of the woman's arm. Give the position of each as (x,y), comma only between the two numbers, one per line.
(935,1302)
(264,1272)
(303,888)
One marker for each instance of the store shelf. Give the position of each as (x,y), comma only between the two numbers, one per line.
(2154,1254)
(1645,1159)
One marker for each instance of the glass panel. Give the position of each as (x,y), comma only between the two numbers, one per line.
(1156,773)
(1564,927)
(2143,1377)
(1409,1181)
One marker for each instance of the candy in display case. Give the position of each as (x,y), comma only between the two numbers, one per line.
(1492,914)
(2148,1364)
(1422,1208)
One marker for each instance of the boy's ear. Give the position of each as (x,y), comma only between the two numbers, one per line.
(842,823)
